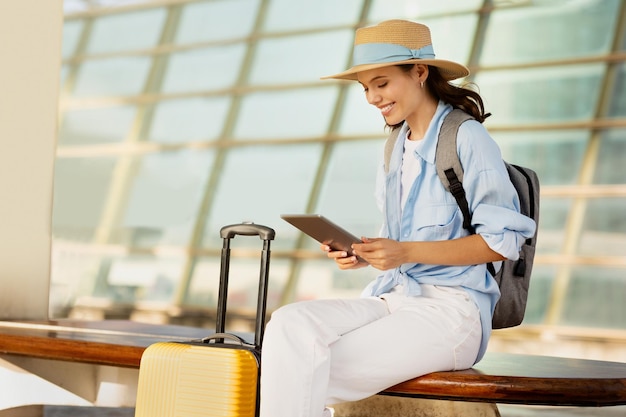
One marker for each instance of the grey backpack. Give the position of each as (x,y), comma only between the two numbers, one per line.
(513,278)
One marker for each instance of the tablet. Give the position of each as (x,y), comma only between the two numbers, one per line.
(323,230)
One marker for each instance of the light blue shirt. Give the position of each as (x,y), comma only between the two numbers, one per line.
(431,213)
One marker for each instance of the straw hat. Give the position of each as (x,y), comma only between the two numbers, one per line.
(396,42)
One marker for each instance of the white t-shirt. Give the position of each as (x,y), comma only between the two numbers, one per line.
(411,166)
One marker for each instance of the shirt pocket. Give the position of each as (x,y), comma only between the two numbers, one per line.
(436,222)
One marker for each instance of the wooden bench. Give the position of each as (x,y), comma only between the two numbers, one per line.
(499,378)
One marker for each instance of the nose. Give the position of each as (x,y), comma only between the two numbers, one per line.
(372,97)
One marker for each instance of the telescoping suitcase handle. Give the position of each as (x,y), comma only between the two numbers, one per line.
(227,233)
(247,229)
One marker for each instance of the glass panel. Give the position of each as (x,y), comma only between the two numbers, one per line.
(303,58)
(80,191)
(604,229)
(618,102)
(70,6)
(162,205)
(595,298)
(348,194)
(164,198)
(286,114)
(285,15)
(138,278)
(73,276)
(204,69)
(88,126)
(114,76)
(84,279)
(259,184)
(195,119)
(539,293)
(145,278)
(204,285)
(556,156)
(553,214)
(612,158)
(64,72)
(541,95)
(242,292)
(216,20)
(444,34)
(621,43)
(73,6)
(111,33)
(409,9)
(72,30)
(559,30)
(359,117)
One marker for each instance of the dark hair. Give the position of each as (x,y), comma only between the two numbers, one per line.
(460,97)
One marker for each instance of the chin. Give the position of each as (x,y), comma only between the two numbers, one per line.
(392,121)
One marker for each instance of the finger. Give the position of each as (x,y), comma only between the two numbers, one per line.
(360,248)
(347,261)
(337,254)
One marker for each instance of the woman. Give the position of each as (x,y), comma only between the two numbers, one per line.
(430,308)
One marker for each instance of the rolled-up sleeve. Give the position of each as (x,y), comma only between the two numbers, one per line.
(493,200)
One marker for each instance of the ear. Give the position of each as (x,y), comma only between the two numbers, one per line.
(421,72)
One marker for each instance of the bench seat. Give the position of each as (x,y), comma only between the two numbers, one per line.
(499,378)
(525,379)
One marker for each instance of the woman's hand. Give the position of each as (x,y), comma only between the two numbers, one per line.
(381,253)
(384,254)
(342,259)
(387,254)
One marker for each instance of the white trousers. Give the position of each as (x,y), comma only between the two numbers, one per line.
(322,352)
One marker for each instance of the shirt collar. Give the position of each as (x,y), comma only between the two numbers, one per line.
(428,148)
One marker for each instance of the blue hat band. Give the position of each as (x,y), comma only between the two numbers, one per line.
(380,53)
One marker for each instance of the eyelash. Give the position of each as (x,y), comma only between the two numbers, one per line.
(383,85)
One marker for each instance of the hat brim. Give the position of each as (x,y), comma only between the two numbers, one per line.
(449,70)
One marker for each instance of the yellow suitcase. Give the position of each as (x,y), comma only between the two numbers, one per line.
(215,376)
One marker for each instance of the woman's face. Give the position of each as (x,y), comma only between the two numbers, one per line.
(395,92)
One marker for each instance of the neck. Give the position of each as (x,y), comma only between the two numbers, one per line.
(420,120)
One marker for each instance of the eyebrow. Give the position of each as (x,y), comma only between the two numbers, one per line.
(373,79)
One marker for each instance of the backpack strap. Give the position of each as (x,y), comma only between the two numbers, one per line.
(448,165)
(446,149)
(450,170)
(389,144)
(447,156)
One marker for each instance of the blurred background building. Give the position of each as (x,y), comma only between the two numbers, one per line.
(180,116)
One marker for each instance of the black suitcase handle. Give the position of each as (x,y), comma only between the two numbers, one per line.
(247,229)
(227,233)
(219,338)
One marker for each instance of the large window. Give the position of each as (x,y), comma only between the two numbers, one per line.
(181,116)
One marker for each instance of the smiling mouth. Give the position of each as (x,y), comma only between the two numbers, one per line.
(386,109)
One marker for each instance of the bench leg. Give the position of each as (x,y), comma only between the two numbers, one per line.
(390,406)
